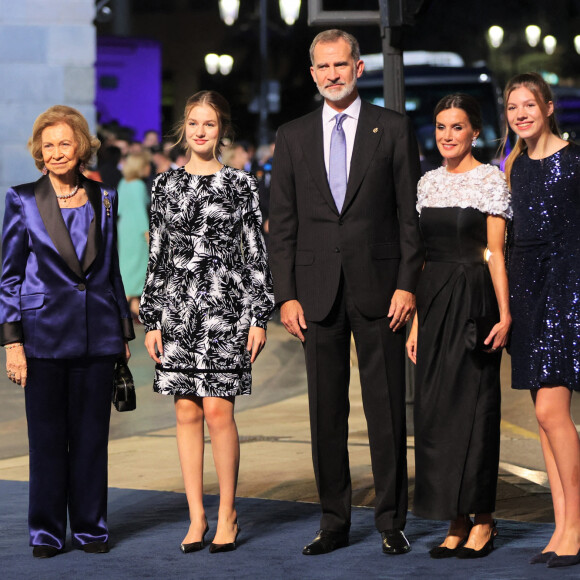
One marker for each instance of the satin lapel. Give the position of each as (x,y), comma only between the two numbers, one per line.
(95,235)
(313,148)
(54,223)
(367,138)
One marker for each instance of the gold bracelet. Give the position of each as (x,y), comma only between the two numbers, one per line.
(12,345)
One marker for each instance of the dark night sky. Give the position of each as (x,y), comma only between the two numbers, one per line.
(188,29)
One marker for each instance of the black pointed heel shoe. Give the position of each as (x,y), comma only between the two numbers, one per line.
(542,557)
(441,552)
(229,547)
(195,546)
(560,561)
(469,553)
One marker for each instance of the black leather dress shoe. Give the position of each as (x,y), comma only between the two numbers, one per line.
(395,542)
(45,551)
(325,542)
(95,548)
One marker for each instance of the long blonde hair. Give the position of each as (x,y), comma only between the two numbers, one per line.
(543,95)
(222,109)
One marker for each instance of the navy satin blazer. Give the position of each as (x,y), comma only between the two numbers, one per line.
(56,306)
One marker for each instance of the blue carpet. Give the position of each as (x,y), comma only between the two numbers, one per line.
(147,527)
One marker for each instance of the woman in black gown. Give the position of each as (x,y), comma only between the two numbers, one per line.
(463,208)
(544,175)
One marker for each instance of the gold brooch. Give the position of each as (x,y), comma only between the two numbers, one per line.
(376,130)
(107,203)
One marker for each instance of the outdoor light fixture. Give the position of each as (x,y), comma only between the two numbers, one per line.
(550,43)
(533,35)
(289,10)
(226,62)
(229,10)
(221,63)
(495,35)
(577,43)
(212,63)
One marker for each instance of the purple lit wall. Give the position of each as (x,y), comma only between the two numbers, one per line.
(129,83)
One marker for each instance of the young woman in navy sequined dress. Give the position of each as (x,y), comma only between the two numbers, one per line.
(543,171)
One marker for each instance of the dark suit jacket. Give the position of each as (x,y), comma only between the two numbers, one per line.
(57,306)
(375,239)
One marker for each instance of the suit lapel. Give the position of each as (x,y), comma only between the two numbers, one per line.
(54,223)
(367,138)
(313,148)
(95,236)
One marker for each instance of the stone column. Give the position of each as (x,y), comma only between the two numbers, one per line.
(47,57)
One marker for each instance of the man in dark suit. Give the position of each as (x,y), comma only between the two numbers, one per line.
(346,255)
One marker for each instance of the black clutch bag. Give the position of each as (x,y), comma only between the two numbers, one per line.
(124,397)
(477,330)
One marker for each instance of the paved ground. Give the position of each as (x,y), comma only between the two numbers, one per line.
(274,431)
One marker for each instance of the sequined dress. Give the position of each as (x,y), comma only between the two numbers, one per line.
(207,281)
(544,271)
(457,391)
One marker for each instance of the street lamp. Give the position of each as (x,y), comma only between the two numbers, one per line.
(289,10)
(229,10)
(533,35)
(550,43)
(577,43)
(495,35)
(215,63)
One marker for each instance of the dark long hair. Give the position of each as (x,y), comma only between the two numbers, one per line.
(464,102)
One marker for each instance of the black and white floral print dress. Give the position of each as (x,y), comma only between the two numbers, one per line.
(207,281)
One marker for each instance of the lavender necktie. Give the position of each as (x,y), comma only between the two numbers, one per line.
(337,162)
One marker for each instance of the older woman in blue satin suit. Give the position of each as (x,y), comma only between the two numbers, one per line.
(64,320)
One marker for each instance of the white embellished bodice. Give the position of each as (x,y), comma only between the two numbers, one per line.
(483,188)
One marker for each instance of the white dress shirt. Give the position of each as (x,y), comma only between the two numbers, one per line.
(349,125)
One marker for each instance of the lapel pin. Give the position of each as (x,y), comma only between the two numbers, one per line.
(376,130)
(107,203)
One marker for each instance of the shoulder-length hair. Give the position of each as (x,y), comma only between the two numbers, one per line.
(87,144)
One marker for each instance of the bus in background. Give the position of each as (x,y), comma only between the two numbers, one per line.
(429,76)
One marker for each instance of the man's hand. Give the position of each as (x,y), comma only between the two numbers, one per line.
(292,317)
(401,310)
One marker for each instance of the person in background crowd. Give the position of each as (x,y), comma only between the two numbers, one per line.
(160,159)
(109,162)
(151,139)
(543,172)
(133,227)
(64,321)
(236,156)
(463,208)
(206,305)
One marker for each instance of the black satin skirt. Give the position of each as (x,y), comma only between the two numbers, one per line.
(457,397)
